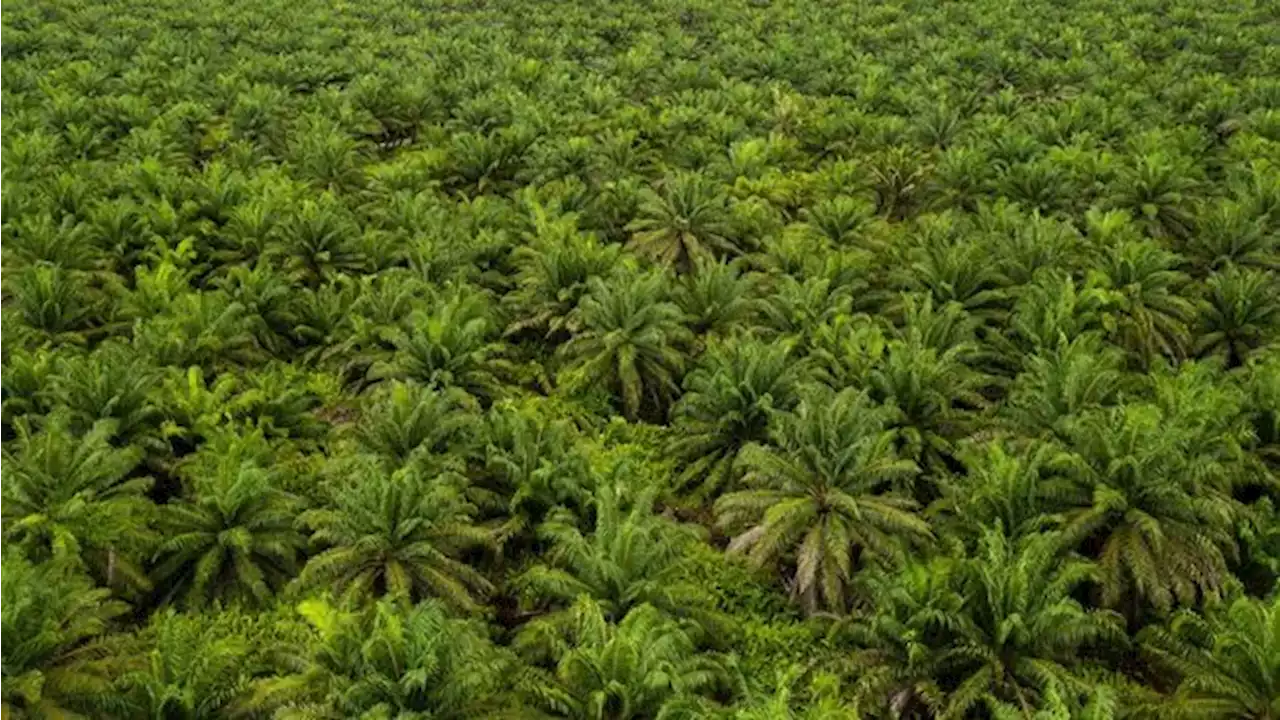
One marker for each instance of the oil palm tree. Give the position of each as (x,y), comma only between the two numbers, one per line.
(935,392)
(717,300)
(1059,383)
(1022,633)
(728,401)
(631,556)
(56,303)
(195,666)
(645,666)
(395,534)
(232,540)
(73,499)
(530,470)
(1158,191)
(452,345)
(111,383)
(383,661)
(1227,661)
(1239,315)
(824,496)
(631,344)
(1150,313)
(686,218)
(1018,488)
(551,278)
(402,420)
(901,644)
(998,631)
(58,660)
(1153,504)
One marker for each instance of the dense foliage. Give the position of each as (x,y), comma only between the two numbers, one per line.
(744,359)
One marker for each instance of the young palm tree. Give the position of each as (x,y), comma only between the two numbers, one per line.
(402,420)
(232,540)
(1153,505)
(1240,315)
(686,219)
(1159,191)
(824,496)
(552,278)
(903,641)
(530,469)
(72,499)
(395,534)
(935,392)
(631,556)
(55,302)
(1229,233)
(453,345)
(728,402)
(957,271)
(112,383)
(58,662)
(385,661)
(195,666)
(645,666)
(718,299)
(631,344)
(1059,383)
(1150,314)
(1021,631)
(1227,662)
(318,241)
(1016,489)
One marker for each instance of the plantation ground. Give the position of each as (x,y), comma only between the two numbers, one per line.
(824,358)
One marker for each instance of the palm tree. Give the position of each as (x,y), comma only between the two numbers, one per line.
(903,640)
(112,383)
(318,241)
(631,556)
(1024,633)
(58,661)
(195,666)
(1015,488)
(1150,315)
(718,299)
(728,402)
(56,303)
(72,499)
(1240,315)
(397,534)
(824,496)
(1152,504)
(1059,383)
(1227,661)
(552,275)
(935,391)
(453,345)
(684,220)
(403,420)
(1054,309)
(1229,233)
(205,329)
(957,271)
(645,666)
(232,540)
(630,345)
(1159,191)
(384,661)
(842,220)
(1018,638)
(530,468)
